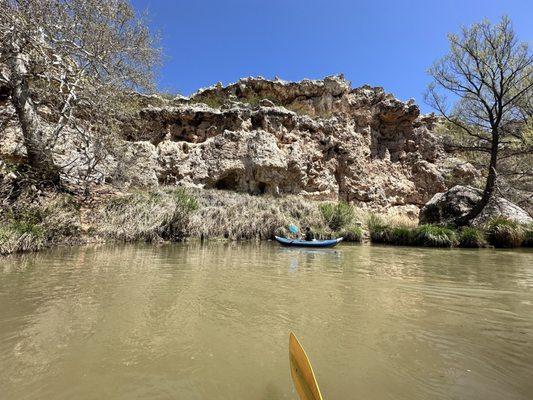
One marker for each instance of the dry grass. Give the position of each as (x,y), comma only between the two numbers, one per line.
(145,216)
(34,225)
(235,216)
(175,213)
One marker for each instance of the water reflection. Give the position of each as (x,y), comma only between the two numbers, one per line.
(211,321)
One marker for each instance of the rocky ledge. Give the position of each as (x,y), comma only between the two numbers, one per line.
(317,138)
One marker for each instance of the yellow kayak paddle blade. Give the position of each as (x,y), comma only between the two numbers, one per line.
(302,373)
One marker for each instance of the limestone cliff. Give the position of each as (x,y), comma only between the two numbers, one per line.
(317,138)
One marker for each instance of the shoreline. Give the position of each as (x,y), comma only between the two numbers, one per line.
(226,242)
(174,214)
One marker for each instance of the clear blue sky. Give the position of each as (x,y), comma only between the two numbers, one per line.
(380,42)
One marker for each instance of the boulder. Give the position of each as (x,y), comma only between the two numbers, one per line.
(446,207)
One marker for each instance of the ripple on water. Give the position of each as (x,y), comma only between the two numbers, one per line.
(196,322)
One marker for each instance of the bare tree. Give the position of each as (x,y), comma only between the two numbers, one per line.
(489,73)
(71,56)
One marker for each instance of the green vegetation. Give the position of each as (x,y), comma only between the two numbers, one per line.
(401,234)
(213,100)
(352,234)
(340,218)
(471,237)
(337,215)
(255,100)
(502,232)
(14,240)
(217,99)
(379,230)
(434,236)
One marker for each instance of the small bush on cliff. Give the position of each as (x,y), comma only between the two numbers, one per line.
(337,215)
(213,100)
(502,232)
(471,237)
(148,216)
(434,236)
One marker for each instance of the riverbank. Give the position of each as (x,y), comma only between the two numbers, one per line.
(42,219)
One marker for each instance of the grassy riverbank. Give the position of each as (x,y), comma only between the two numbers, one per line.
(40,220)
(499,232)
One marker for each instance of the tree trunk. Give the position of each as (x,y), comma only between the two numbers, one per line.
(39,155)
(490,184)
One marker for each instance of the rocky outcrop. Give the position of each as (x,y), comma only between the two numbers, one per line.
(317,138)
(445,208)
(320,139)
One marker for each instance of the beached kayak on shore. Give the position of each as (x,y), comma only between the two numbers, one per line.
(308,243)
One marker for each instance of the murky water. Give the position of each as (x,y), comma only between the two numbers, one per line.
(212,322)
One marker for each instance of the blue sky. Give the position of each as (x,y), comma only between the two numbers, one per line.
(381,43)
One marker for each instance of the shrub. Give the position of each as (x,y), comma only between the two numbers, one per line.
(502,232)
(434,236)
(337,215)
(401,236)
(352,234)
(471,237)
(379,230)
(213,100)
(61,219)
(323,233)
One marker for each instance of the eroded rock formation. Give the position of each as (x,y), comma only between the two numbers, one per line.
(318,138)
(315,138)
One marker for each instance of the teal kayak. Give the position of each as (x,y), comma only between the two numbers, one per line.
(308,243)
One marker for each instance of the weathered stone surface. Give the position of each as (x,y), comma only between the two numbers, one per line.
(317,138)
(445,207)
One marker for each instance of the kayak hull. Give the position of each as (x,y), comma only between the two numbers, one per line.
(306,243)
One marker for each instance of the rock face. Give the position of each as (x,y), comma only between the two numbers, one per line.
(445,207)
(320,139)
(317,138)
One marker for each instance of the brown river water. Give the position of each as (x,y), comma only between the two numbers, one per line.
(192,321)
